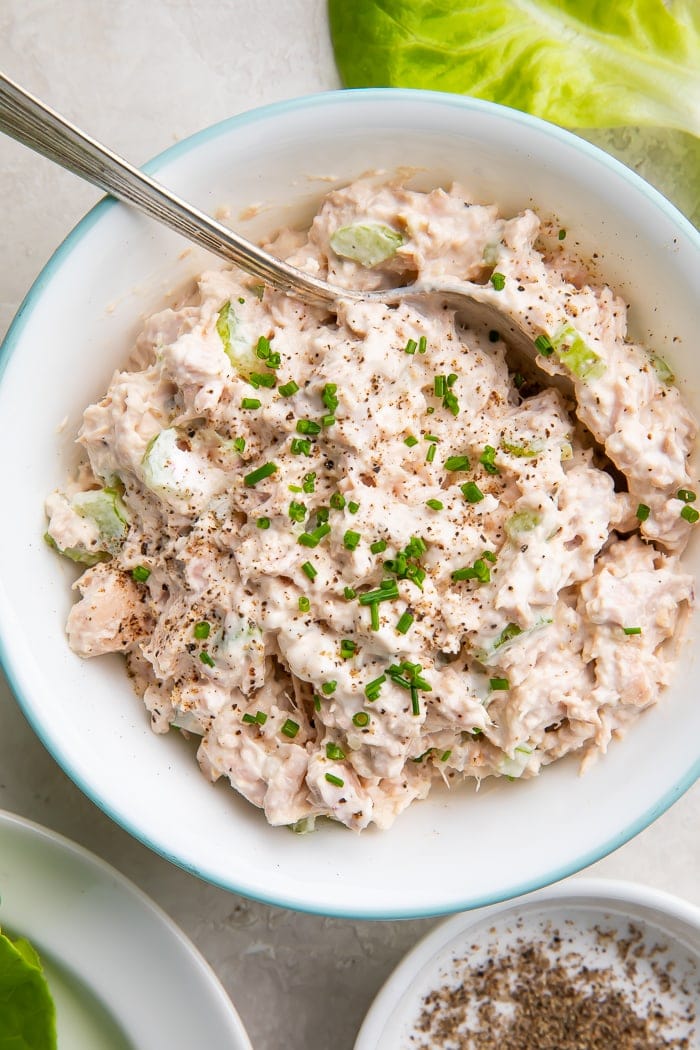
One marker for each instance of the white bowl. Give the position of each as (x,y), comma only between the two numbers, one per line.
(667,927)
(454,851)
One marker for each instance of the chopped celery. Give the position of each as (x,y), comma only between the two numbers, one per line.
(663,371)
(576,354)
(304,826)
(107,510)
(237,346)
(491,253)
(367,243)
(522,521)
(82,557)
(523,451)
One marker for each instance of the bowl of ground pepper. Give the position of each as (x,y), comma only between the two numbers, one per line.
(587,963)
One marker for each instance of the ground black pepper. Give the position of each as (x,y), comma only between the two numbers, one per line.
(534,996)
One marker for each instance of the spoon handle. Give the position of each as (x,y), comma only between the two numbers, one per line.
(25,118)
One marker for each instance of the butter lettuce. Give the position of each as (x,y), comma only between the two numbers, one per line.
(598,64)
(27,1012)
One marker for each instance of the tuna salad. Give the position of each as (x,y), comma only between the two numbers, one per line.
(359,551)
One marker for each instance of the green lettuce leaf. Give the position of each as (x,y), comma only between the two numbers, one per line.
(27,1012)
(598,64)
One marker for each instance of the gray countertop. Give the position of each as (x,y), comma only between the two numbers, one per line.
(141,74)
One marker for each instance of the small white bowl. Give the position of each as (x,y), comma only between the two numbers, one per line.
(457,850)
(667,927)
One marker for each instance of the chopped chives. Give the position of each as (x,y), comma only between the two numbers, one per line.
(378,546)
(472,492)
(445,755)
(304,604)
(404,622)
(440,386)
(690,514)
(329,688)
(353,507)
(202,629)
(288,388)
(308,426)
(259,718)
(487,460)
(561,235)
(498,281)
(327,421)
(430,454)
(499,684)
(467,573)
(260,474)
(263,523)
(273,361)
(262,350)
(140,573)
(295,488)
(297,511)
(249,719)
(239,444)
(308,483)
(422,344)
(265,379)
(334,752)
(290,728)
(410,441)
(632,630)
(308,570)
(686,495)
(328,396)
(322,515)
(250,402)
(642,512)
(415,701)
(489,555)
(373,688)
(360,719)
(337,501)
(351,540)
(411,346)
(333,779)
(434,504)
(386,593)
(241,300)
(301,447)
(483,573)
(349,594)
(206,658)
(317,703)
(430,437)
(451,379)
(374,616)
(544,345)
(451,403)
(457,463)
(312,539)
(347,648)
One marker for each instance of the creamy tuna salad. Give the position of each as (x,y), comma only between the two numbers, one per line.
(356,552)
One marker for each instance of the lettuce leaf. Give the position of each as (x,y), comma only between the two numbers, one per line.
(599,64)
(27,1012)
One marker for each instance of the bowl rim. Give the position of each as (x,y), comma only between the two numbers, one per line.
(578,892)
(12,339)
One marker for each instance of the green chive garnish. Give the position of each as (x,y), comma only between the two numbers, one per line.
(378,546)
(290,729)
(487,458)
(327,421)
(308,426)
(304,604)
(140,573)
(334,752)
(328,396)
(297,511)
(249,719)
(202,629)
(263,523)
(457,463)
(351,539)
(422,344)
(430,454)
(265,379)
(440,386)
(410,441)
(404,622)
(686,495)
(499,684)
(250,402)
(273,361)
(288,388)
(472,492)
(411,346)
(301,447)
(308,483)
(347,648)
(353,507)
(349,594)
(373,688)
(632,630)
(690,514)
(239,444)
(312,539)
(262,349)
(360,719)
(434,504)
(498,281)
(386,593)
(260,474)
(561,235)
(642,512)
(337,501)
(329,688)
(544,345)
(445,755)
(206,659)
(374,616)
(332,779)
(308,570)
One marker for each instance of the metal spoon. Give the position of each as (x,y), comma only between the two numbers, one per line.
(25,118)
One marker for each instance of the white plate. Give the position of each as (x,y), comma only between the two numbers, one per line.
(578,910)
(122,975)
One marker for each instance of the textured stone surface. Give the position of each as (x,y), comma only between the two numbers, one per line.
(139,76)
